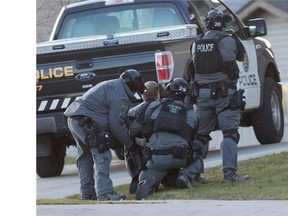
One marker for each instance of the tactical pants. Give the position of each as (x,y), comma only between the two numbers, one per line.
(86,159)
(211,111)
(158,167)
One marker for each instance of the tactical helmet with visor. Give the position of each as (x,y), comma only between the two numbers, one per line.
(216,20)
(177,87)
(134,80)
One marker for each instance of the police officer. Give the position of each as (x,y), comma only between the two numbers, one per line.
(218,102)
(168,126)
(93,119)
(134,160)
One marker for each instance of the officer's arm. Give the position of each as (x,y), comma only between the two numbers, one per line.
(118,119)
(189,75)
(240,48)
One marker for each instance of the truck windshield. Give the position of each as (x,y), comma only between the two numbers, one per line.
(121,18)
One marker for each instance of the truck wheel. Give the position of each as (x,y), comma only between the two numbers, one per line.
(268,122)
(52,165)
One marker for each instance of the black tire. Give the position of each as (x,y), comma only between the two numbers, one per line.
(52,165)
(268,122)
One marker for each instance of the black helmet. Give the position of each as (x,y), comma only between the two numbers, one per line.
(134,80)
(216,20)
(177,86)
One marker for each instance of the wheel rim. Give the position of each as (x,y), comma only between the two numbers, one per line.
(275,108)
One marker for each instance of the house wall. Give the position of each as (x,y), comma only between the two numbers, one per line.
(46,14)
(277,28)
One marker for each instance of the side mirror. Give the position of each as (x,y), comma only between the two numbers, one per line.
(257,27)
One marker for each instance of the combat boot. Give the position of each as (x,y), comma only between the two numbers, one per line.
(145,188)
(111,196)
(198,178)
(232,176)
(89,197)
(183,182)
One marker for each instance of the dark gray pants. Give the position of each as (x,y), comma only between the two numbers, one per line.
(212,110)
(86,159)
(159,166)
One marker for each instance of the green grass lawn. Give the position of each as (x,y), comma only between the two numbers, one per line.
(72,160)
(269,181)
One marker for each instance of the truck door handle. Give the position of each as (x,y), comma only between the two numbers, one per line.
(58,47)
(163,34)
(82,64)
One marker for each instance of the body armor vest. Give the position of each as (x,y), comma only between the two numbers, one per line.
(207,57)
(172,118)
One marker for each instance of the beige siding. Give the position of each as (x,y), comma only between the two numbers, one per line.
(277,35)
(46,14)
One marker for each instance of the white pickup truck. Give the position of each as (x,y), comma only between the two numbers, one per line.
(96,40)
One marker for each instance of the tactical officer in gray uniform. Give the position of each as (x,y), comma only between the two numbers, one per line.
(94,119)
(134,160)
(215,73)
(169,126)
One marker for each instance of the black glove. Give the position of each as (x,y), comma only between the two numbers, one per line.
(133,148)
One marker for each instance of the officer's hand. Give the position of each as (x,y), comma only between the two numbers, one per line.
(140,141)
(133,148)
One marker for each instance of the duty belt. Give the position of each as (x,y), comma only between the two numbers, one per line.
(162,151)
(177,151)
(218,84)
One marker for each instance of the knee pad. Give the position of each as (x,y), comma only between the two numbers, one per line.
(232,134)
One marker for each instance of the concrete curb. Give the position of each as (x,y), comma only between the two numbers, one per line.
(171,208)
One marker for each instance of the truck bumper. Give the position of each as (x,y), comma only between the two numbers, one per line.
(47,123)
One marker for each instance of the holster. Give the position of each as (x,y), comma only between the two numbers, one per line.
(214,91)
(237,100)
(96,138)
(147,155)
(179,152)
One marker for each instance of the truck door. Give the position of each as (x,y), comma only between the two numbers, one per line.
(248,76)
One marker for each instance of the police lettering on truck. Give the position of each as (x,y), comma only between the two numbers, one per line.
(249,76)
(57,72)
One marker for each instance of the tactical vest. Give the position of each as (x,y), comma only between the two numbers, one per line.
(172,118)
(207,57)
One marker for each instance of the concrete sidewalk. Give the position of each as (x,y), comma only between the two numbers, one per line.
(171,208)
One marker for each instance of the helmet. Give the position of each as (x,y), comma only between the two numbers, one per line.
(216,20)
(134,80)
(177,86)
